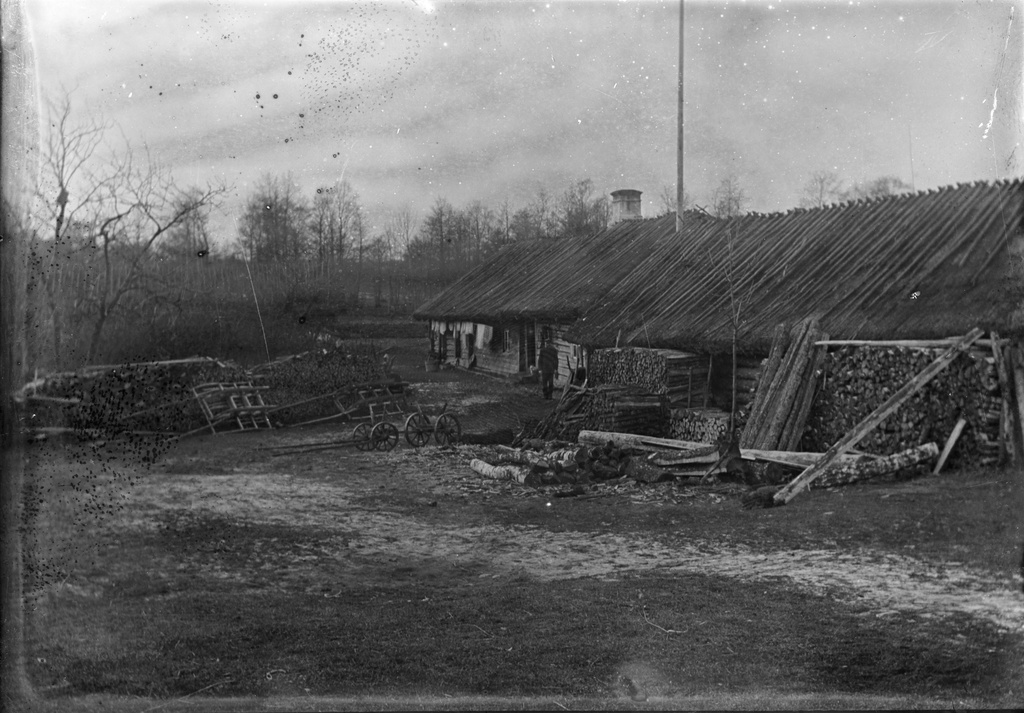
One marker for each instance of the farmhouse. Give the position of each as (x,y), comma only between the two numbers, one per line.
(913,267)
(497,315)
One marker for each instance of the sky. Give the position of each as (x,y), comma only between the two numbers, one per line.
(412,100)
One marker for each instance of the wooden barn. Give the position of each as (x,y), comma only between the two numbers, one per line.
(924,266)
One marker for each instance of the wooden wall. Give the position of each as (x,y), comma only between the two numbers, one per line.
(565,349)
(493,360)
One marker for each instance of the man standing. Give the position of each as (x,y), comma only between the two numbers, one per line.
(548,362)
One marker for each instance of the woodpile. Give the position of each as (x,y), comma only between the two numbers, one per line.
(701,425)
(787,388)
(681,376)
(295,379)
(563,466)
(611,407)
(858,378)
(102,401)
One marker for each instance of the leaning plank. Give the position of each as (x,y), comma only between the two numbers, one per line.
(844,474)
(950,442)
(771,368)
(1018,382)
(632,440)
(499,472)
(878,415)
(1005,444)
(907,343)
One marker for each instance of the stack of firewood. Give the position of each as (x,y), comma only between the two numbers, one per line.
(611,407)
(140,397)
(680,376)
(787,388)
(700,425)
(858,379)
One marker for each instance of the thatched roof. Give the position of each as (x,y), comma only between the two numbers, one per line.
(925,265)
(549,279)
(930,264)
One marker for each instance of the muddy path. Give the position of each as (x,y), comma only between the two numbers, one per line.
(389,519)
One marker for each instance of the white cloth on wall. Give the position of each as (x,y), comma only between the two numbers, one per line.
(484,334)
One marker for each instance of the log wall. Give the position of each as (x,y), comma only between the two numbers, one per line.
(858,379)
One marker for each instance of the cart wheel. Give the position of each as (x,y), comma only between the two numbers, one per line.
(417,430)
(361,435)
(384,436)
(447,429)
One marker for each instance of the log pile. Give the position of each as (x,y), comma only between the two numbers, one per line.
(859,378)
(783,401)
(701,425)
(611,407)
(565,466)
(295,379)
(681,376)
(133,397)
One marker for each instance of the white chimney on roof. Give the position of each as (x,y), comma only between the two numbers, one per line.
(625,205)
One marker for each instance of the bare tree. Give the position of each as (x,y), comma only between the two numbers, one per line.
(823,187)
(877,188)
(581,212)
(69,193)
(111,208)
(273,225)
(729,199)
(669,200)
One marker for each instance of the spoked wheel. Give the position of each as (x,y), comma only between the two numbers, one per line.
(384,436)
(361,435)
(417,430)
(447,430)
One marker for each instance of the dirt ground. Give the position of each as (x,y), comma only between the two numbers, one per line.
(228,514)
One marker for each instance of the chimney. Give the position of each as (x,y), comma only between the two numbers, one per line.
(625,205)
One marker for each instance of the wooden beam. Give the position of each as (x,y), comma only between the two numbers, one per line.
(950,442)
(874,418)
(908,343)
(704,452)
(1018,382)
(1006,439)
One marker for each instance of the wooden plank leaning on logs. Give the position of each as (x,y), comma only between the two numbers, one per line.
(872,420)
(630,440)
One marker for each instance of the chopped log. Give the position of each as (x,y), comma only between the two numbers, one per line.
(880,414)
(499,472)
(950,442)
(843,475)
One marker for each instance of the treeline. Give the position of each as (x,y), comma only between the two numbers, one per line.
(398,254)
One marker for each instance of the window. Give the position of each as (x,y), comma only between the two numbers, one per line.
(506,340)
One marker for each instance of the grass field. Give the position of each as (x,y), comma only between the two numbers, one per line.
(225,578)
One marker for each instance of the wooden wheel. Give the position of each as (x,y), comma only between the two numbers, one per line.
(417,430)
(384,436)
(447,429)
(361,435)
